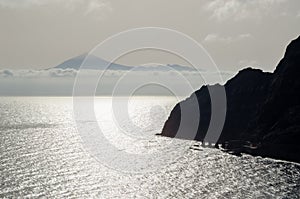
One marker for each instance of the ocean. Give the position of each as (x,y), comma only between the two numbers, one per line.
(45,152)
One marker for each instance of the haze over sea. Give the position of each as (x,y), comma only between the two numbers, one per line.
(42,154)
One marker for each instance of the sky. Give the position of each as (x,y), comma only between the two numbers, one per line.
(39,34)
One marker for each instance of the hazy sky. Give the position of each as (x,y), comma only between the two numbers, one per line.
(42,33)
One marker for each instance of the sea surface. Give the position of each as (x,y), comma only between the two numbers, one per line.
(43,154)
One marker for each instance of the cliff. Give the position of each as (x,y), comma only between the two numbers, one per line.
(262,113)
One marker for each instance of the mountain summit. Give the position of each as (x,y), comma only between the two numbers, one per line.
(95,63)
(90,62)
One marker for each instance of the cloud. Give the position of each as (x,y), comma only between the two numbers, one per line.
(28,3)
(17,3)
(61,81)
(240,9)
(96,8)
(211,38)
(6,73)
(62,73)
(70,72)
(248,63)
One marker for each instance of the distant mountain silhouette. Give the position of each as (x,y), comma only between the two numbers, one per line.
(263,111)
(90,62)
(95,63)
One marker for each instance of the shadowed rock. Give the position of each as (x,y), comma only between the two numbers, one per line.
(262,113)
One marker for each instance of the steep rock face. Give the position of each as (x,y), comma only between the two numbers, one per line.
(246,93)
(262,109)
(277,127)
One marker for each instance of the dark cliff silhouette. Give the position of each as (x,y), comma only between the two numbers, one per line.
(263,111)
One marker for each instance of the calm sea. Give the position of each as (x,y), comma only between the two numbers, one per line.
(43,154)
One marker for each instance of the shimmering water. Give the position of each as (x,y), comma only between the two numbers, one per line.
(42,154)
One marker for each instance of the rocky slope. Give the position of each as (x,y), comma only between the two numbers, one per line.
(262,113)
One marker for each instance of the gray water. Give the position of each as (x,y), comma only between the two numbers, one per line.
(43,155)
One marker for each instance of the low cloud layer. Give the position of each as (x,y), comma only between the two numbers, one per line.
(37,73)
(60,82)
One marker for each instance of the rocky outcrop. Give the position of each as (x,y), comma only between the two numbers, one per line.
(262,114)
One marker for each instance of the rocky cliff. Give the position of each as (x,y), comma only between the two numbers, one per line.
(262,113)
